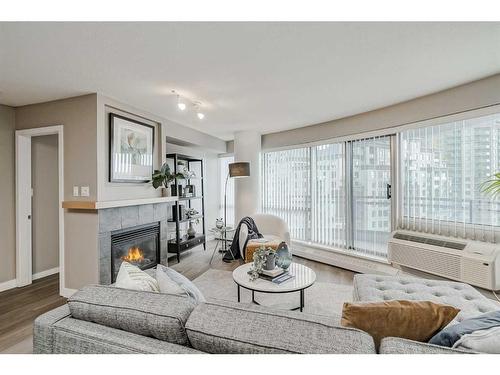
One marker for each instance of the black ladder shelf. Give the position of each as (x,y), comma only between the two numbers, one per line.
(181,242)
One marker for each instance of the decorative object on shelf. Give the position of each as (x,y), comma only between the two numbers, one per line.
(189,191)
(219,223)
(181,209)
(131,150)
(235,170)
(283,256)
(191,232)
(263,258)
(191,214)
(164,177)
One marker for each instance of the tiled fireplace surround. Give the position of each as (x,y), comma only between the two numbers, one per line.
(113,219)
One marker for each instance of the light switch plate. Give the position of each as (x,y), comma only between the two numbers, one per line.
(85,191)
(75,191)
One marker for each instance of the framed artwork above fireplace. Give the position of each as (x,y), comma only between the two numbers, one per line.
(131,150)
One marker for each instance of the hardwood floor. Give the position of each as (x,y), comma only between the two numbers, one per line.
(19,307)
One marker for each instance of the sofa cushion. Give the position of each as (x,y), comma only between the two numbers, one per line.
(74,336)
(225,327)
(146,313)
(396,345)
(374,288)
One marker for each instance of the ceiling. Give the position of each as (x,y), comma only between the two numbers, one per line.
(262,76)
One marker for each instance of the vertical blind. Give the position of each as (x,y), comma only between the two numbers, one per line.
(328,195)
(442,171)
(286,189)
(371,204)
(309,188)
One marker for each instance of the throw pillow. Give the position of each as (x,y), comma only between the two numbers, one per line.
(413,320)
(166,284)
(451,334)
(132,277)
(484,341)
(187,285)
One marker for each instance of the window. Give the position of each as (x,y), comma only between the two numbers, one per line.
(442,169)
(286,189)
(223,171)
(315,190)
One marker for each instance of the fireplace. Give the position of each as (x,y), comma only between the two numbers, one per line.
(138,245)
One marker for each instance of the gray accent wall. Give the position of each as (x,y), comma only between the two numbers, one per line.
(78,118)
(7,194)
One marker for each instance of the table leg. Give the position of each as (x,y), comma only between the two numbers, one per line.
(253,297)
(301,300)
(215,249)
(238,293)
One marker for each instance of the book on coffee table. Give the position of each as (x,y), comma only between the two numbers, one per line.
(274,272)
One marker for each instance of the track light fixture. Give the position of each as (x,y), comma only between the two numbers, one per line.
(181,104)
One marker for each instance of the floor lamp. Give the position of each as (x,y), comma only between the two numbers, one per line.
(236,170)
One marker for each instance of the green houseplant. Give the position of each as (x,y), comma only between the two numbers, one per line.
(164,177)
(492,186)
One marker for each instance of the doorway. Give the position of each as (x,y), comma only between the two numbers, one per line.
(39,212)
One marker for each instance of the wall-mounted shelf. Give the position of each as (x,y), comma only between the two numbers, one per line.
(99,205)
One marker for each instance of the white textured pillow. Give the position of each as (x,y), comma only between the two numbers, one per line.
(131,277)
(166,284)
(184,283)
(483,341)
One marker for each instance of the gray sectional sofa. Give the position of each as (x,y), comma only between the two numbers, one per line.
(104,319)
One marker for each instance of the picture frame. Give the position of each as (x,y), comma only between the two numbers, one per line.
(131,150)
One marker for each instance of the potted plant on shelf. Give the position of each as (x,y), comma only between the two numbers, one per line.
(164,177)
(192,216)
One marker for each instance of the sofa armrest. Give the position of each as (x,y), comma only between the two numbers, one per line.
(43,329)
(396,345)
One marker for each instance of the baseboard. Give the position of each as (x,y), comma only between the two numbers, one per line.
(347,262)
(45,273)
(66,292)
(6,285)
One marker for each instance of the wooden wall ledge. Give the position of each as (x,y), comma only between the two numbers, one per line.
(95,205)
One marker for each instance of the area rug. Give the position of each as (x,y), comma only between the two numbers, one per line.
(320,299)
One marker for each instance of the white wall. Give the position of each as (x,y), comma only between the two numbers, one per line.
(211,179)
(247,190)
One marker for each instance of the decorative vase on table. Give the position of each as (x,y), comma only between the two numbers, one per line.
(166,192)
(283,256)
(191,232)
(219,223)
(270,262)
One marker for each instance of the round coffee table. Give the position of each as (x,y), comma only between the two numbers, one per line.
(304,278)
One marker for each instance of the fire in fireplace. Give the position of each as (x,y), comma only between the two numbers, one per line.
(139,246)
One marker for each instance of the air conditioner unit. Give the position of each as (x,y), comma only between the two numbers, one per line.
(473,262)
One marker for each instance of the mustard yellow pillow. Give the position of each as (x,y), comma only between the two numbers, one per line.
(414,320)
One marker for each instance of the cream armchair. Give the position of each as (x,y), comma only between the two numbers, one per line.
(272,227)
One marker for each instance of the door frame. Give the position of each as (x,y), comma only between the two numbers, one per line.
(24,259)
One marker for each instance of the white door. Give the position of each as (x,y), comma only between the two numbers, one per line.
(23,210)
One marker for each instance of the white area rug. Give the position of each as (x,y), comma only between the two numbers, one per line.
(320,299)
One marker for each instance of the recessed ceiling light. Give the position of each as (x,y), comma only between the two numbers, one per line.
(200,115)
(181,105)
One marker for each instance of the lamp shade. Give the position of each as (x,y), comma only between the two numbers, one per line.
(239,169)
